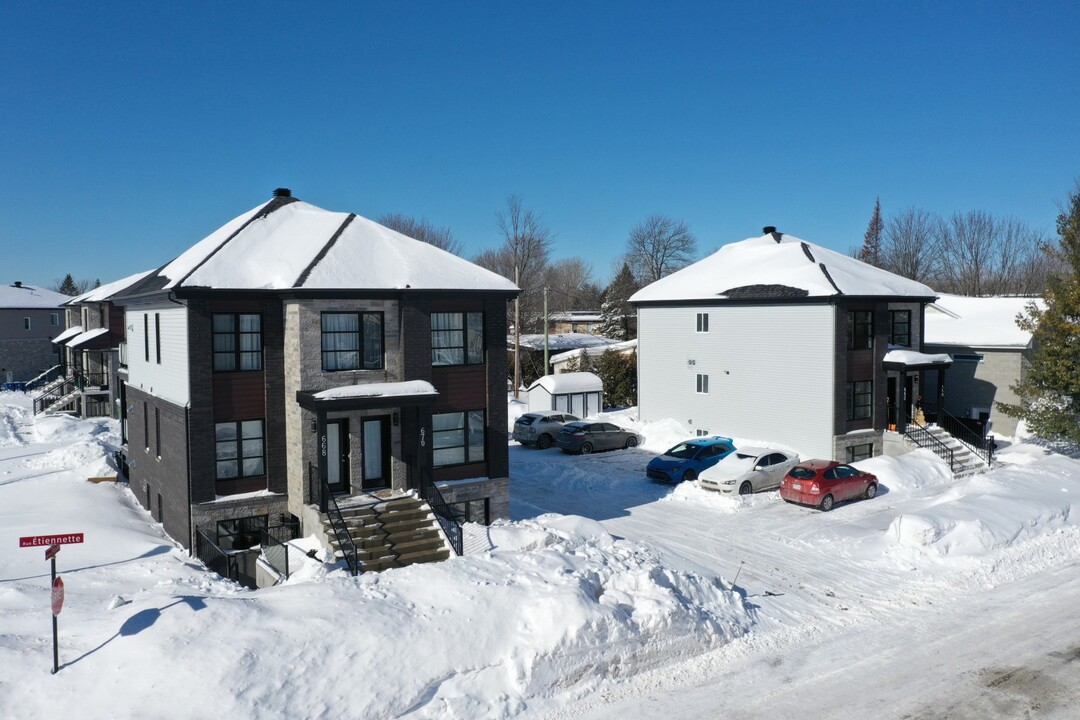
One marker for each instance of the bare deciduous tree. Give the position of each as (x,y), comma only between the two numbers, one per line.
(908,247)
(423,230)
(570,286)
(978,254)
(659,246)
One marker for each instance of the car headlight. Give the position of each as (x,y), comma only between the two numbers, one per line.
(727,482)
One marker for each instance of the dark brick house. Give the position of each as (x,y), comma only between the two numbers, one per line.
(296,352)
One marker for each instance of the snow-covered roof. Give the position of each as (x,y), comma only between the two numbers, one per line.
(577,316)
(595,351)
(778,267)
(912,357)
(106,291)
(68,334)
(977,321)
(29,297)
(561,342)
(86,337)
(387,389)
(574,382)
(287,244)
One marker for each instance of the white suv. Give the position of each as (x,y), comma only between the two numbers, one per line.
(540,429)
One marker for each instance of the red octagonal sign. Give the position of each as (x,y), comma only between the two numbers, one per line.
(57,596)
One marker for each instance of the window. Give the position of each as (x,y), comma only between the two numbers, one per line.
(860,334)
(237,342)
(26,323)
(146,336)
(241,533)
(900,333)
(703,384)
(457,338)
(855,453)
(157,430)
(958,357)
(157,336)
(240,449)
(54,319)
(859,399)
(701,433)
(703,322)
(146,426)
(458,438)
(352,341)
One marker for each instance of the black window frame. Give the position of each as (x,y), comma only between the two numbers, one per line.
(362,360)
(860,325)
(157,430)
(467,435)
(702,384)
(239,457)
(146,335)
(703,322)
(442,339)
(146,426)
(54,319)
(248,529)
(157,336)
(236,353)
(862,451)
(26,323)
(900,338)
(860,390)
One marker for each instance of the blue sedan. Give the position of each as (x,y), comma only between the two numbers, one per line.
(687,459)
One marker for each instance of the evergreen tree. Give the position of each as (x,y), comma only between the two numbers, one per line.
(67,286)
(618,372)
(870,252)
(97,284)
(616,310)
(1049,391)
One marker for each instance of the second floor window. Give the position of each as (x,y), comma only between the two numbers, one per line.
(237,342)
(703,322)
(900,333)
(240,449)
(352,341)
(860,330)
(54,319)
(457,338)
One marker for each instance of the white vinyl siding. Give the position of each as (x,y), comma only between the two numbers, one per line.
(770,371)
(169,379)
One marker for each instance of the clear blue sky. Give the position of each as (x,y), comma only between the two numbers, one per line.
(128,131)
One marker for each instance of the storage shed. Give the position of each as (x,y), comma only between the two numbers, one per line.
(578,393)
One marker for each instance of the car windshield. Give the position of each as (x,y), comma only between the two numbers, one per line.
(683,451)
(802,473)
(744,456)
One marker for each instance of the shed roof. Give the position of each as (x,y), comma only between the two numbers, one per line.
(574,382)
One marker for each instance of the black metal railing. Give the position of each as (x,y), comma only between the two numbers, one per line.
(921,436)
(54,393)
(977,442)
(431,495)
(275,546)
(50,375)
(341,531)
(215,558)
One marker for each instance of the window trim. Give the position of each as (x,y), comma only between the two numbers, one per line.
(360,338)
(854,325)
(702,384)
(853,406)
(146,336)
(157,336)
(237,351)
(465,328)
(26,323)
(239,442)
(157,430)
(54,319)
(467,432)
(703,322)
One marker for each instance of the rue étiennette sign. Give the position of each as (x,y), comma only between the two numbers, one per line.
(52,544)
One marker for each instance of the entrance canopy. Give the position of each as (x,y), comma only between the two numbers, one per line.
(912,360)
(369,396)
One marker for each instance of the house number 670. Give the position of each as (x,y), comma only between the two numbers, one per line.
(423,437)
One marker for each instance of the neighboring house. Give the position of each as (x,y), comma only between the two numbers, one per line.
(577,393)
(990,354)
(531,353)
(297,354)
(779,340)
(91,355)
(30,317)
(575,321)
(560,362)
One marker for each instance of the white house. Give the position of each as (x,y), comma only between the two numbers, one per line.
(778,339)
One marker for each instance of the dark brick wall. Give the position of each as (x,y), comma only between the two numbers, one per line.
(277,471)
(161,472)
(201,412)
(498,456)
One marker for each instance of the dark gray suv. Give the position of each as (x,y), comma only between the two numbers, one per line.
(540,429)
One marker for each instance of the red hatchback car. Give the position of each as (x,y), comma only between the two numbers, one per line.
(823,483)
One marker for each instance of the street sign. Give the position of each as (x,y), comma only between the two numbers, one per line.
(51,551)
(46,540)
(57,596)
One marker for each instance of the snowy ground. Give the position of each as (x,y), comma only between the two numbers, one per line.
(606,596)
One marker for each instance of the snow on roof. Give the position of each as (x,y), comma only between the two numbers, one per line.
(106,291)
(388,389)
(977,321)
(86,336)
(577,316)
(761,267)
(561,342)
(911,357)
(569,383)
(68,334)
(595,351)
(292,244)
(30,296)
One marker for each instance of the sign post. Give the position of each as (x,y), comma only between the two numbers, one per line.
(52,544)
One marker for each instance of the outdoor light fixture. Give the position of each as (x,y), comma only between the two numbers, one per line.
(314,426)
(396,419)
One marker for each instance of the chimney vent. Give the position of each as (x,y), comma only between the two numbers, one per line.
(283,192)
(768,229)
(18,283)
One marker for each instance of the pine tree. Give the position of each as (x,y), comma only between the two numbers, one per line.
(618,372)
(67,286)
(1049,391)
(870,252)
(616,310)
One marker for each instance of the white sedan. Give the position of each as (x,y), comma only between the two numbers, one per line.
(748,470)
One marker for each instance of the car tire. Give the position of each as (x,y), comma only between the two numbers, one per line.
(543,442)
(689,475)
(871,491)
(586,448)
(746,488)
(826,503)
(631,442)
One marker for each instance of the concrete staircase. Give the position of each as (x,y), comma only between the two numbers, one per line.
(392,532)
(965,462)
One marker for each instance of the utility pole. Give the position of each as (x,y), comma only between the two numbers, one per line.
(545,333)
(517,332)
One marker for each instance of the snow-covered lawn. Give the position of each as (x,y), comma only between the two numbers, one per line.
(607,595)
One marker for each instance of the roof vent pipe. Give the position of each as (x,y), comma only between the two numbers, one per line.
(18,283)
(771,230)
(283,192)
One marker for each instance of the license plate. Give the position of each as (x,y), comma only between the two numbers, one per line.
(796,486)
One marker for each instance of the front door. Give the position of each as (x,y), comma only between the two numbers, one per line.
(376,439)
(337,455)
